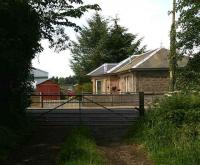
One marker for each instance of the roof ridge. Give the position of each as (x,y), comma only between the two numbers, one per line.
(149,56)
(125,60)
(111,63)
(103,65)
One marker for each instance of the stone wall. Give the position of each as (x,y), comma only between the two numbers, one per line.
(149,81)
(153,81)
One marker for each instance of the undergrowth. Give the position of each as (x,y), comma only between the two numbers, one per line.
(170,130)
(13,134)
(79,149)
(7,141)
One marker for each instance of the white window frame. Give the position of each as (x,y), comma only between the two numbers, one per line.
(97,86)
(126,83)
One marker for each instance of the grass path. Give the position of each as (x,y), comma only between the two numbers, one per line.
(45,144)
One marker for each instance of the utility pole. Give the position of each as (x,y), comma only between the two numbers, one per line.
(173,55)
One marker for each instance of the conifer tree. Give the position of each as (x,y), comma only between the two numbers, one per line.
(99,43)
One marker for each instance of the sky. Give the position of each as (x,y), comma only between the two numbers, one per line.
(147,18)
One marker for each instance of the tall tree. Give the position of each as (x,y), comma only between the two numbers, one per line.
(89,50)
(188,36)
(189,25)
(120,44)
(55,16)
(19,42)
(100,43)
(23,24)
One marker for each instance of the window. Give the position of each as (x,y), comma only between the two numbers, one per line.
(98,86)
(126,83)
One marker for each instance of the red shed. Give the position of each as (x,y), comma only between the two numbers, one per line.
(48,87)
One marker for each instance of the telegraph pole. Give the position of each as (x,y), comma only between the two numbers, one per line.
(173,55)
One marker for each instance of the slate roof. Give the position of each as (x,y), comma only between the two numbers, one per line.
(130,62)
(103,69)
(154,59)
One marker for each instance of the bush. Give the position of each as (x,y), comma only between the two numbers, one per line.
(171,130)
(79,149)
(84,88)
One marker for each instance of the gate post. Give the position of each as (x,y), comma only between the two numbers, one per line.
(42,103)
(80,99)
(141,103)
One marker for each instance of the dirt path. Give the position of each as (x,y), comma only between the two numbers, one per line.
(44,145)
(125,155)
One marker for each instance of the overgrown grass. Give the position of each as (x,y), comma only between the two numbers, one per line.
(171,130)
(80,149)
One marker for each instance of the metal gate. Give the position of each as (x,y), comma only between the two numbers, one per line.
(87,109)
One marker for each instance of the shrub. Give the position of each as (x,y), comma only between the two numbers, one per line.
(171,130)
(84,88)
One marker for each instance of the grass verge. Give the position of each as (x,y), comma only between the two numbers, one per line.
(170,131)
(80,149)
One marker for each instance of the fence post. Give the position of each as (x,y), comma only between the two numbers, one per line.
(112,99)
(141,103)
(42,100)
(80,98)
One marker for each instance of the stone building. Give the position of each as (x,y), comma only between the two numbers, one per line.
(147,72)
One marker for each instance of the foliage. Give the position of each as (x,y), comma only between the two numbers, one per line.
(71,80)
(120,44)
(100,43)
(23,24)
(189,43)
(79,149)
(189,25)
(88,52)
(83,88)
(171,130)
(188,79)
(19,42)
(55,16)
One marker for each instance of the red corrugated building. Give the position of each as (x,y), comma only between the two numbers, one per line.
(48,87)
